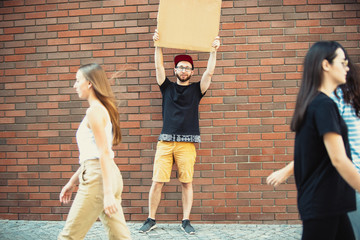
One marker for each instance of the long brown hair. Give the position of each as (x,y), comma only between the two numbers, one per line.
(94,73)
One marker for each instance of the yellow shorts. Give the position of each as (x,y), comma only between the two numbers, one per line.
(184,155)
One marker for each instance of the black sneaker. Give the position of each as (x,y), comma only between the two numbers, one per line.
(186,226)
(149,225)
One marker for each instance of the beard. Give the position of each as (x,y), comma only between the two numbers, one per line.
(183,79)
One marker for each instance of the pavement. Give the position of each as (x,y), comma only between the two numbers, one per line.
(48,230)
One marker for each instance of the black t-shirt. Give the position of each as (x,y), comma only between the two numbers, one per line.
(180,111)
(321,190)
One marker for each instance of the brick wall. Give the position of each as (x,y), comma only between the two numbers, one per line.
(245,115)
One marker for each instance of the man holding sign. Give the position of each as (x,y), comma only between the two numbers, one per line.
(180,130)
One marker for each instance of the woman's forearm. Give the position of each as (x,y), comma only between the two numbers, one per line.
(336,149)
(106,169)
(74,180)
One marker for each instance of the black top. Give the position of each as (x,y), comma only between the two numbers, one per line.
(321,190)
(180,111)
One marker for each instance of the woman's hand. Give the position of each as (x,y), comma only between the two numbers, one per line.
(110,207)
(276,178)
(66,192)
(280,176)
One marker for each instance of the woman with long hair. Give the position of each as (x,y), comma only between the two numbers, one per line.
(324,174)
(100,181)
(347,99)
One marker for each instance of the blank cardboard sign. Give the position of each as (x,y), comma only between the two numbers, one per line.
(188,24)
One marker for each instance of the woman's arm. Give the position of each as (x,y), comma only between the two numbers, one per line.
(66,191)
(335,147)
(280,176)
(97,119)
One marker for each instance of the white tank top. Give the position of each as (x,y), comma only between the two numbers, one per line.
(86,140)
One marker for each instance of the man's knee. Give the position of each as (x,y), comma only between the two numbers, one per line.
(187,185)
(157,185)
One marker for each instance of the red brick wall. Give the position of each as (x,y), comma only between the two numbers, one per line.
(244,117)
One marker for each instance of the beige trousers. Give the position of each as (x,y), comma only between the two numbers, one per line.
(88,205)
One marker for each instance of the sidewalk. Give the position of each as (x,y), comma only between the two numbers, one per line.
(48,230)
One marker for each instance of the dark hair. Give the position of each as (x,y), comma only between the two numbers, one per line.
(96,75)
(312,77)
(351,89)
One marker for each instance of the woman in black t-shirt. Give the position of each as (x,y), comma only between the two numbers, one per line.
(324,174)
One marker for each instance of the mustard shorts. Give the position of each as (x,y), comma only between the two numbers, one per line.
(182,153)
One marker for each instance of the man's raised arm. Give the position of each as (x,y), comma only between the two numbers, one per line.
(159,62)
(209,72)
